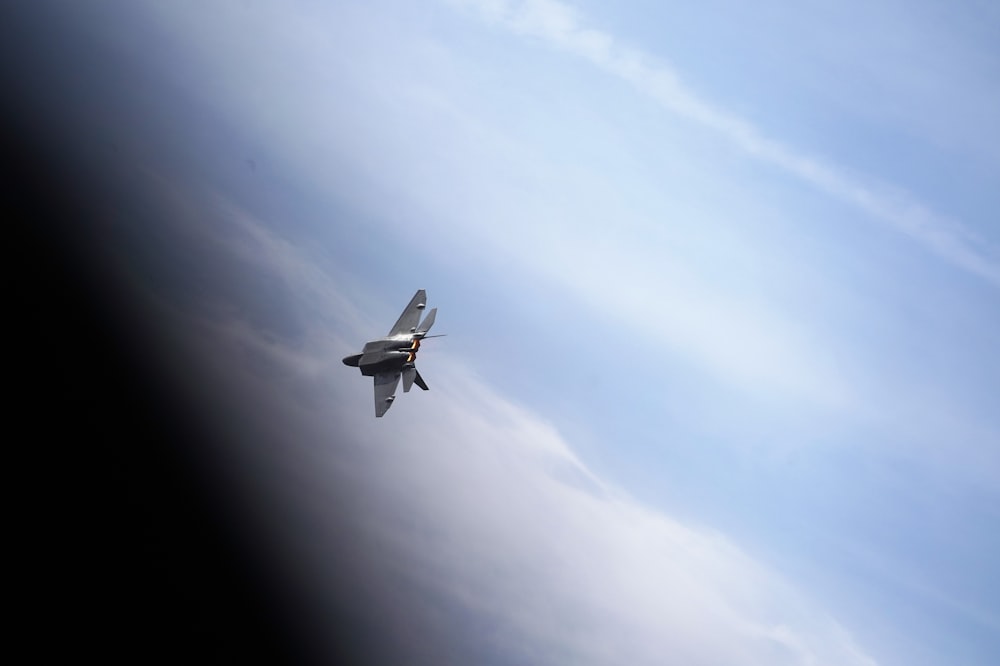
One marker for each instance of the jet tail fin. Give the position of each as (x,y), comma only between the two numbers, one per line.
(409,375)
(418,380)
(427,323)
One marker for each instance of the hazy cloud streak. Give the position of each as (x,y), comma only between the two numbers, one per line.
(484,507)
(558,25)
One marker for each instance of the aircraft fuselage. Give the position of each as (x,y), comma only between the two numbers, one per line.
(390,359)
(385,355)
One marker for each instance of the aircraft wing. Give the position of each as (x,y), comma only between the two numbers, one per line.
(385,390)
(408,321)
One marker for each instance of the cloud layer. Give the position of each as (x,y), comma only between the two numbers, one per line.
(558,25)
(582,261)
(482,507)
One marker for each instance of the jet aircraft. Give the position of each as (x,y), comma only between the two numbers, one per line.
(389,358)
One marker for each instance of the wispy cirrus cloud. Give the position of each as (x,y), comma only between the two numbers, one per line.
(476,507)
(489,190)
(560,26)
(477,503)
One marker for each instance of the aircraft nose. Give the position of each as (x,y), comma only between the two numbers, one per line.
(352,360)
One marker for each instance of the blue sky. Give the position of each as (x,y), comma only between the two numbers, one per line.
(722,289)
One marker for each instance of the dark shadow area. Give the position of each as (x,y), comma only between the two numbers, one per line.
(136,547)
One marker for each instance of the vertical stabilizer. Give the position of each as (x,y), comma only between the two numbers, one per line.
(428,322)
(418,380)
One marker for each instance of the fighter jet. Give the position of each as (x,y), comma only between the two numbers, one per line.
(389,358)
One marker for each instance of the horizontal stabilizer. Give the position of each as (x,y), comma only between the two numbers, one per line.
(409,374)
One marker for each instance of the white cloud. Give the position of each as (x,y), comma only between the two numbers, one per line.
(474,495)
(559,25)
(418,151)
(486,191)
(486,508)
